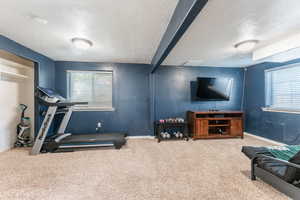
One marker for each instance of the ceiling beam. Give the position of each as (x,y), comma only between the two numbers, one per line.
(185,13)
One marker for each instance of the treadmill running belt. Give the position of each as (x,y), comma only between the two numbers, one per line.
(92,138)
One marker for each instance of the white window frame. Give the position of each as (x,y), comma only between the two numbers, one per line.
(269,108)
(90,107)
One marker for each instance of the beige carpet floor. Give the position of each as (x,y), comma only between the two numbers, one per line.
(144,169)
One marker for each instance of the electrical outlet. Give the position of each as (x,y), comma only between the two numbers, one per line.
(98,126)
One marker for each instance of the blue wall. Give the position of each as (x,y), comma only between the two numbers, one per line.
(282,127)
(172,90)
(139,97)
(46,65)
(131,99)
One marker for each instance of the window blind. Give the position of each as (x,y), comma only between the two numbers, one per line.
(283,88)
(94,87)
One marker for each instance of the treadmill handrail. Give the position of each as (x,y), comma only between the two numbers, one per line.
(61,103)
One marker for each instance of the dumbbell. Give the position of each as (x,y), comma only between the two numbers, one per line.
(167,135)
(179,135)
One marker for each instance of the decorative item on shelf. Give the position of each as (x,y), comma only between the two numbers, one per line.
(171,129)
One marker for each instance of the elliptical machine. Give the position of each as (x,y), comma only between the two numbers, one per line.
(23,129)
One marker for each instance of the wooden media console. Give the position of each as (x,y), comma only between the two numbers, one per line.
(215,124)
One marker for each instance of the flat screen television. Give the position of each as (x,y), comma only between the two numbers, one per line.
(214,89)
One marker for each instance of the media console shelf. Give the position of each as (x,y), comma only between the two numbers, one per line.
(215,124)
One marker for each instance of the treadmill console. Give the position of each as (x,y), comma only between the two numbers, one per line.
(49,95)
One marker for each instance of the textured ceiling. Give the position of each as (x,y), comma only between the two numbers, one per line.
(223,23)
(122,31)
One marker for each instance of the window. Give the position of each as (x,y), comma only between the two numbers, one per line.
(283,88)
(94,87)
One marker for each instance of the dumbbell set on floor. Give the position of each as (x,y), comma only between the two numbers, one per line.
(166,135)
(171,129)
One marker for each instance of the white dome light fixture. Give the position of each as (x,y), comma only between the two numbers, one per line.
(38,19)
(82,43)
(246,45)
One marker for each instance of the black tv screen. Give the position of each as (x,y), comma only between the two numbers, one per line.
(214,89)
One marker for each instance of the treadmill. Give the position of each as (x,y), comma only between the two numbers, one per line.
(62,142)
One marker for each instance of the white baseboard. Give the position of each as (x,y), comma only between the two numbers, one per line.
(141,137)
(248,134)
(4,149)
(265,139)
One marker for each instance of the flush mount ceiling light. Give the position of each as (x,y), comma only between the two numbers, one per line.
(81,43)
(246,46)
(38,19)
